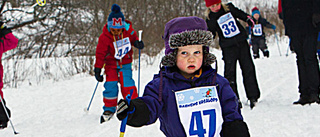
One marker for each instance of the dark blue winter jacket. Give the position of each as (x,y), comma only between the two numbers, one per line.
(166,109)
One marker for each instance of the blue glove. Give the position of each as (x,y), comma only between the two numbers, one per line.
(97,72)
(138,44)
(273,27)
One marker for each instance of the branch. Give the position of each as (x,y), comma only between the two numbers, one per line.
(3,3)
(27,22)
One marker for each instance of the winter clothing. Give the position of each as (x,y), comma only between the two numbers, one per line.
(235,48)
(3,116)
(166,109)
(7,42)
(115,54)
(280,10)
(138,44)
(116,18)
(258,36)
(97,74)
(255,10)
(212,2)
(159,99)
(198,35)
(297,18)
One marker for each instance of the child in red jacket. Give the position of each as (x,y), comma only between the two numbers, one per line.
(7,42)
(114,53)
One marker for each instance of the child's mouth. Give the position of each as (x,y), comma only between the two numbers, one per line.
(191,67)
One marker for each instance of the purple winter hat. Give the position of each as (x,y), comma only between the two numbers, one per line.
(183,31)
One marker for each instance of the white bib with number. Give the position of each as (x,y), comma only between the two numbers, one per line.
(200,111)
(228,25)
(122,47)
(257,30)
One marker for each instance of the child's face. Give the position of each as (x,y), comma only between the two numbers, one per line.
(256,16)
(189,59)
(215,7)
(115,32)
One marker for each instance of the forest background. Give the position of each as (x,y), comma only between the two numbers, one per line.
(58,40)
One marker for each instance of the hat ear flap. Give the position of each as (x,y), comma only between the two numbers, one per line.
(169,60)
(208,58)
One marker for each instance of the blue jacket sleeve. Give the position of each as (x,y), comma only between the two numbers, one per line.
(151,98)
(228,101)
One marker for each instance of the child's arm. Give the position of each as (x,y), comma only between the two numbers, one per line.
(267,24)
(233,125)
(9,40)
(145,110)
(101,51)
(238,13)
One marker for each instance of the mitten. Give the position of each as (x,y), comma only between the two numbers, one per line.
(97,72)
(3,30)
(250,21)
(123,109)
(273,27)
(138,44)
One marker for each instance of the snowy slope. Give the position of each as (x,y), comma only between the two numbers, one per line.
(56,109)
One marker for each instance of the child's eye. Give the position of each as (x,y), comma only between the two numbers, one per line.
(197,52)
(184,53)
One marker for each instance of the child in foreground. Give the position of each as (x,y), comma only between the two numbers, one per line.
(188,96)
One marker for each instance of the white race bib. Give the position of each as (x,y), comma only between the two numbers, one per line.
(257,30)
(122,47)
(200,111)
(228,25)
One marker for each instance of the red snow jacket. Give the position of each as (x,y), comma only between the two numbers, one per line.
(105,51)
(8,42)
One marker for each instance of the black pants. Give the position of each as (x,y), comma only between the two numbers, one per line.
(259,43)
(3,115)
(241,53)
(305,46)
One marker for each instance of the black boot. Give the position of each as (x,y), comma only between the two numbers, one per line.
(253,103)
(239,104)
(304,99)
(266,53)
(314,98)
(256,56)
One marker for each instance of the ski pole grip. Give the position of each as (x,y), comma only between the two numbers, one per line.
(140,34)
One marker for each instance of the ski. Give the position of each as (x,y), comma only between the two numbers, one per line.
(105,118)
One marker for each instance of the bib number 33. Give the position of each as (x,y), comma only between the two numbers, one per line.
(228,25)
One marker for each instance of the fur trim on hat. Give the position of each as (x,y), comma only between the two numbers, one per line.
(170,59)
(194,37)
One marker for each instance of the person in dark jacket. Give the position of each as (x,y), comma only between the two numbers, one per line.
(7,42)
(258,38)
(223,19)
(302,22)
(187,96)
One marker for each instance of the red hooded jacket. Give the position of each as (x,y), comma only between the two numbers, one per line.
(105,49)
(8,42)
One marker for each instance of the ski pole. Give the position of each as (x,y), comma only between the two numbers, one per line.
(287,51)
(140,34)
(275,35)
(124,121)
(5,110)
(288,47)
(92,97)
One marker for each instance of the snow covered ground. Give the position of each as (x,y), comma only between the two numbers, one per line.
(56,109)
